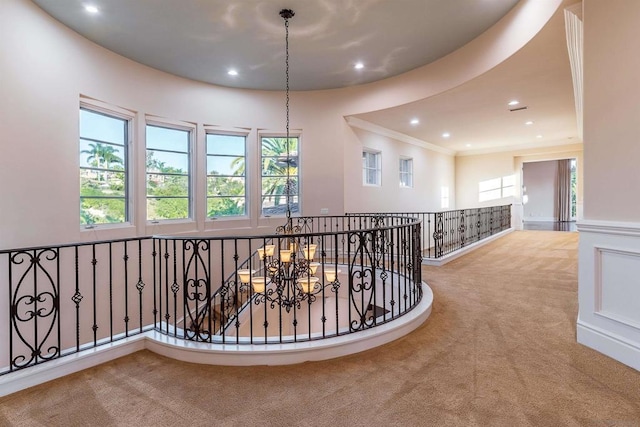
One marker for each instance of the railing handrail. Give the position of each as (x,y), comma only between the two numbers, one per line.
(294,235)
(399,213)
(75,244)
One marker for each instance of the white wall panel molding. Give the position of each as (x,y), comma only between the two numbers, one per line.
(615,318)
(609,289)
(610,227)
(622,268)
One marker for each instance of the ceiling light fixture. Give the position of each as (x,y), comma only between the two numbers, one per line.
(287,276)
(468,145)
(414,121)
(91,8)
(538,136)
(446,135)
(514,102)
(359,66)
(528,123)
(232,72)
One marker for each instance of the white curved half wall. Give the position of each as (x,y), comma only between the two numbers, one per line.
(223,354)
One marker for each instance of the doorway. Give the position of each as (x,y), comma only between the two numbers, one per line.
(549,195)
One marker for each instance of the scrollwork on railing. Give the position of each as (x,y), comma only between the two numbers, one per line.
(35,306)
(438,234)
(196,289)
(363,273)
(361,280)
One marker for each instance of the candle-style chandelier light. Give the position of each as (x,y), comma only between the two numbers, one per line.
(289,276)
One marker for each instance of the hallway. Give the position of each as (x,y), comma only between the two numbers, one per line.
(499,349)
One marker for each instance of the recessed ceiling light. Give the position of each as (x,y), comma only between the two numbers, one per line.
(446,135)
(414,121)
(538,136)
(91,8)
(514,102)
(359,66)
(232,72)
(528,123)
(468,145)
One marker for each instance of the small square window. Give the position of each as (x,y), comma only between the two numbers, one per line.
(406,173)
(371,170)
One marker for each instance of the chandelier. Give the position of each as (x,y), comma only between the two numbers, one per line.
(288,277)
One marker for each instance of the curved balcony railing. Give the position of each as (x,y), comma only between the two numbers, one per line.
(449,231)
(318,277)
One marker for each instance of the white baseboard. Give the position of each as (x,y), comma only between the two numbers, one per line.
(66,365)
(437,262)
(222,354)
(616,347)
(540,219)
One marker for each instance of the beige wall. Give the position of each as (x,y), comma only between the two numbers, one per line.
(611,109)
(540,181)
(471,170)
(431,172)
(609,249)
(45,68)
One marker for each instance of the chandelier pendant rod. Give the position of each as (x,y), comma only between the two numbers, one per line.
(287,14)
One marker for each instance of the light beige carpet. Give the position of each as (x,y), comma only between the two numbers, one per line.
(498,350)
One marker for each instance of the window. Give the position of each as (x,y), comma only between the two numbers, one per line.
(496,188)
(406,172)
(103,168)
(226,175)
(168,173)
(371,172)
(444,197)
(280,175)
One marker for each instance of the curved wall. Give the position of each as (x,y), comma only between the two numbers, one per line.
(45,68)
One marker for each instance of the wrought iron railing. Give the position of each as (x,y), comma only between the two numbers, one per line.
(67,298)
(63,299)
(448,231)
(367,270)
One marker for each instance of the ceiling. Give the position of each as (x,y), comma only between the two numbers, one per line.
(204,39)
(476,115)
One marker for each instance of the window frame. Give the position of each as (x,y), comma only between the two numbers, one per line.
(408,173)
(130,117)
(298,176)
(246,176)
(378,167)
(180,126)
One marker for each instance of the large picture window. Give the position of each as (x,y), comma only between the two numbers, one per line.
(371,169)
(103,168)
(168,173)
(280,175)
(226,175)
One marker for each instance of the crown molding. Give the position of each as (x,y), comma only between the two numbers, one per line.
(380,130)
(520,147)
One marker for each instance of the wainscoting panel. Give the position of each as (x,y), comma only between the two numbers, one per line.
(609,289)
(618,285)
